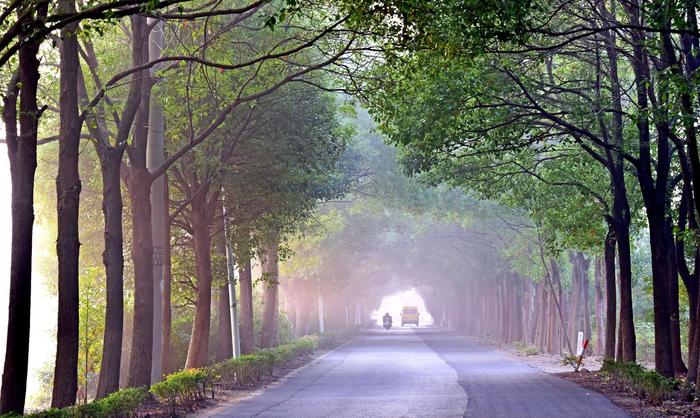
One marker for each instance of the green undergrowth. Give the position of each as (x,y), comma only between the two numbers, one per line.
(525,349)
(647,384)
(249,369)
(120,404)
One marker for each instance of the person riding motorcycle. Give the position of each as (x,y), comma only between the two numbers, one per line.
(387,320)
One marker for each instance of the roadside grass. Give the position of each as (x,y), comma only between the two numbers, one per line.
(647,384)
(525,349)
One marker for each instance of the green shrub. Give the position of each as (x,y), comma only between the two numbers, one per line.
(248,369)
(647,384)
(241,371)
(182,388)
(70,412)
(120,404)
(525,349)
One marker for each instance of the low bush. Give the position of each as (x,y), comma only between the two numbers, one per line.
(647,384)
(120,404)
(183,388)
(525,349)
(249,369)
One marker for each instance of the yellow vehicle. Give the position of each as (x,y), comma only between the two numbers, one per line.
(409,315)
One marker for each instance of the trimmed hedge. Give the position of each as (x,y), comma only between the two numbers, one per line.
(184,388)
(119,404)
(248,369)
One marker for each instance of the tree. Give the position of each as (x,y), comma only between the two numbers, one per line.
(22,155)
(68,188)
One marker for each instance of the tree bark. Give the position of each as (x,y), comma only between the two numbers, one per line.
(269,333)
(627,341)
(517,322)
(112,208)
(224,336)
(686,217)
(245,278)
(654,196)
(224,346)
(139,186)
(201,227)
(113,259)
(600,308)
(65,382)
(585,291)
(142,259)
(22,156)
(620,217)
(575,308)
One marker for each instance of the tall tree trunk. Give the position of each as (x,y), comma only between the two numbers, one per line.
(269,333)
(585,291)
(113,259)
(112,208)
(245,278)
(542,309)
(22,156)
(663,342)
(627,340)
(686,216)
(575,308)
(65,382)
(654,194)
(199,341)
(600,308)
(517,322)
(224,340)
(231,261)
(142,259)
(621,218)
(139,186)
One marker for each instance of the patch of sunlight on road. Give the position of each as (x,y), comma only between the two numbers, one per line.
(395,302)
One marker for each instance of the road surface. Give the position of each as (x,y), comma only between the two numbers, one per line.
(420,372)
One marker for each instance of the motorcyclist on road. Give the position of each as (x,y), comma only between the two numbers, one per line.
(387,320)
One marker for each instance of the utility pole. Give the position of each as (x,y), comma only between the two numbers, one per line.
(231,279)
(155,155)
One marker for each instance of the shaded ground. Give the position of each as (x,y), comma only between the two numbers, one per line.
(624,397)
(419,372)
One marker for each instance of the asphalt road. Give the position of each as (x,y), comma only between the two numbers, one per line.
(423,372)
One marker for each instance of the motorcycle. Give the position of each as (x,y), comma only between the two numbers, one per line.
(387,322)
